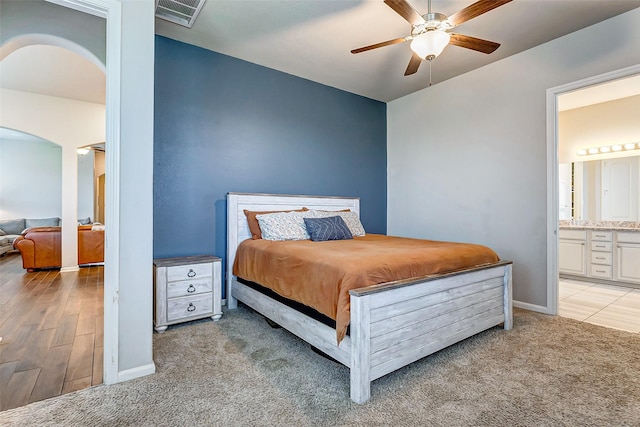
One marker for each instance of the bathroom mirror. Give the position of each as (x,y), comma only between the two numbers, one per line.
(600,190)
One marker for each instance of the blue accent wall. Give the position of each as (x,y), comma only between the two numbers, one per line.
(226,125)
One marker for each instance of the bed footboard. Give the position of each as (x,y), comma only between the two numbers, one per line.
(395,324)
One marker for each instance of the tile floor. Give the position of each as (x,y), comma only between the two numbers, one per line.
(611,306)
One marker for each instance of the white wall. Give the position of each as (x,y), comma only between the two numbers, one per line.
(68,123)
(30,179)
(467,157)
(606,123)
(85,185)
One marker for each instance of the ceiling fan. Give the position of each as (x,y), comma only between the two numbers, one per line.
(430,32)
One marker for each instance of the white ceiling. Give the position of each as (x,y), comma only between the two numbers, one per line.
(53,71)
(621,88)
(313,38)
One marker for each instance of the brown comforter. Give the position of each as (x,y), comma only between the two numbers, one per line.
(320,274)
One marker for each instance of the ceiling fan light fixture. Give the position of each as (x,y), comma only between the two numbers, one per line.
(430,44)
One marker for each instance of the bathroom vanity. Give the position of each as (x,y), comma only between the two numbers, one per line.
(600,253)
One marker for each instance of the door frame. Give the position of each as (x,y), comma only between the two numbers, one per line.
(552,172)
(111,10)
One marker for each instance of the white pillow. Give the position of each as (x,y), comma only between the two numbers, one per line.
(283,226)
(350,218)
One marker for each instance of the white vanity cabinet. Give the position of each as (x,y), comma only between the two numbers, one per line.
(601,254)
(628,256)
(572,251)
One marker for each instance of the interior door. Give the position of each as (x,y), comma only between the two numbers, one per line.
(101,190)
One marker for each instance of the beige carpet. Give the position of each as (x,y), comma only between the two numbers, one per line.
(547,371)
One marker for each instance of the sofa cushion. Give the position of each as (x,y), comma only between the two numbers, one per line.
(13,226)
(42,222)
(84,221)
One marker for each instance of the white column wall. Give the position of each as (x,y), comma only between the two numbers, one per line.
(86,185)
(136,190)
(467,157)
(68,123)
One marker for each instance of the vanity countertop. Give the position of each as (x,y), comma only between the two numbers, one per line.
(598,227)
(603,225)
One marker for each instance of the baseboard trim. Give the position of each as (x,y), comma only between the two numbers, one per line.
(69,269)
(140,371)
(531,307)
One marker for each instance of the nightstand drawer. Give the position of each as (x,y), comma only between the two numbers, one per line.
(603,258)
(188,272)
(603,271)
(184,307)
(189,287)
(602,246)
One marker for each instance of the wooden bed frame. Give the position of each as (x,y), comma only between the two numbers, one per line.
(392,324)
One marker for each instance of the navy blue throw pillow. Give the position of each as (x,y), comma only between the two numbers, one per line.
(330,228)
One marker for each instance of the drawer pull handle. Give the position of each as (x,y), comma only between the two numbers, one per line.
(191,307)
(597,271)
(191,289)
(191,273)
(599,257)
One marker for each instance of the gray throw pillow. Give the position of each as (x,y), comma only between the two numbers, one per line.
(331,228)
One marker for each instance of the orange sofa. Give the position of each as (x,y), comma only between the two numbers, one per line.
(41,247)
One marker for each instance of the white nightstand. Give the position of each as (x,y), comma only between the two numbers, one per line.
(186,288)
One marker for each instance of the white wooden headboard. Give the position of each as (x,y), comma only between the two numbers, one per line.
(238,228)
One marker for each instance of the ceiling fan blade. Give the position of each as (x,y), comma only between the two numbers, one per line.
(404,9)
(473,43)
(414,63)
(475,9)
(381,44)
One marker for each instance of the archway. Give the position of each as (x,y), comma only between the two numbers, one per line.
(62,118)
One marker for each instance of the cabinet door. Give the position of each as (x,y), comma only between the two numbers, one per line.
(628,262)
(572,257)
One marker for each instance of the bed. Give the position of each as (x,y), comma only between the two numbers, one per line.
(391,324)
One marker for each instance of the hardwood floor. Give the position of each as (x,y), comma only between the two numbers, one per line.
(51,325)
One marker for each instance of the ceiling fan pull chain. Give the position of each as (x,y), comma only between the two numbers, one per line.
(430,71)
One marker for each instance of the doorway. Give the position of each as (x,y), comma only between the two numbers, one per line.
(52,321)
(564,295)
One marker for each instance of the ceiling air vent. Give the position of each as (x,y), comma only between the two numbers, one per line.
(181,12)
